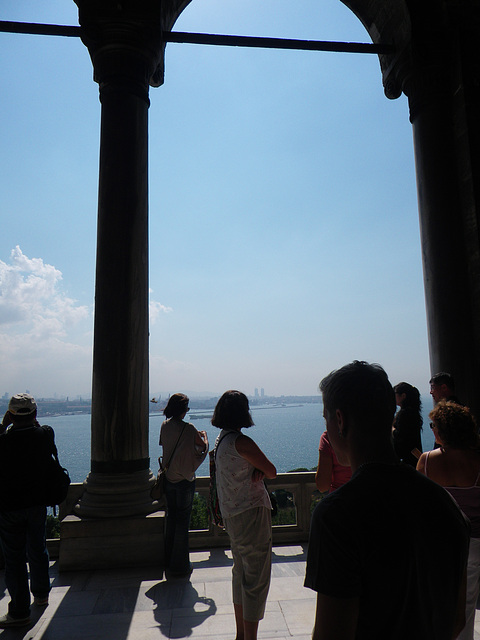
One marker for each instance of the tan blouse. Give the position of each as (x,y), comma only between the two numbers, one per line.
(188,455)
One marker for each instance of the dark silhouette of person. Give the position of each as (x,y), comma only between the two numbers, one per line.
(184,450)
(407,424)
(442,387)
(25,453)
(376,542)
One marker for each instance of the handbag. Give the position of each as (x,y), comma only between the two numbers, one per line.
(273,501)
(158,489)
(213,501)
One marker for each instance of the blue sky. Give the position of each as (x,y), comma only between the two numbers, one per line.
(284,237)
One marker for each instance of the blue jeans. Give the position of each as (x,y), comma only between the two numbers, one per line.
(179,497)
(22,534)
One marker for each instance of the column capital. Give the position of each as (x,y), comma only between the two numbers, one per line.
(124,38)
(438,54)
(428,86)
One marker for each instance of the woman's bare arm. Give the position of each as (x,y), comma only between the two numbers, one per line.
(421,463)
(201,439)
(249,450)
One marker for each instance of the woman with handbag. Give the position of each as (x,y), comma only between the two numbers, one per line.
(184,450)
(246,510)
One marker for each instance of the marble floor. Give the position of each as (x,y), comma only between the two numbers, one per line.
(139,604)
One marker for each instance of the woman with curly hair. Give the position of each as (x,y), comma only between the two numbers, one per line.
(246,510)
(407,424)
(456,466)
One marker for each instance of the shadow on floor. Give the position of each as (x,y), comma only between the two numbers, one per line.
(279,556)
(172,595)
(84,604)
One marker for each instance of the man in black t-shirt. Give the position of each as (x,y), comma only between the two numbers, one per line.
(25,451)
(388,551)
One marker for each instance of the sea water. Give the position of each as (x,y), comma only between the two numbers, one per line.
(288,435)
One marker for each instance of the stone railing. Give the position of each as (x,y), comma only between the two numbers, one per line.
(296,495)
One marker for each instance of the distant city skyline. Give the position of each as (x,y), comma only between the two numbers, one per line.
(284,237)
(154,398)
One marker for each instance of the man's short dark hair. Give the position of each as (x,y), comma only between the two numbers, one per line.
(362,391)
(443,378)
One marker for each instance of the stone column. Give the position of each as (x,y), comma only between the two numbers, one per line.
(444,98)
(436,64)
(124,40)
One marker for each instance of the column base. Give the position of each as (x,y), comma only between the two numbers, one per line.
(111,543)
(116,495)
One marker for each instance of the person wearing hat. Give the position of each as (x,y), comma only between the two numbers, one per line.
(25,452)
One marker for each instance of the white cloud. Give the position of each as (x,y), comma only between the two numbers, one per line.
(155,309)
(36,318)
(30,297)
(45,336)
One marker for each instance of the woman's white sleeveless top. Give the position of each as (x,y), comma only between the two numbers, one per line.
(236,491)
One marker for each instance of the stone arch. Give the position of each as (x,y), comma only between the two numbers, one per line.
(387,22)
(436,65)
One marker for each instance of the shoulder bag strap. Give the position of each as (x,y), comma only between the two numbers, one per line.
(51,437)
(218,443)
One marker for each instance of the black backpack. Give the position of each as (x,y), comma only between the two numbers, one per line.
(56,478)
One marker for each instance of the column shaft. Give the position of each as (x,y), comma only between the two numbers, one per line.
(446,139)
(120,365)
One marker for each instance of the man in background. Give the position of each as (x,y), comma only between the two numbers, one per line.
(442,387)
(388,550)
(25,452)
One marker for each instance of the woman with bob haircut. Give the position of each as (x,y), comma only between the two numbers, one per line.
(246,510)
(184,450)
(456,467)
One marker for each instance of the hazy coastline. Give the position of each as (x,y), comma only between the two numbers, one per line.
(199,407)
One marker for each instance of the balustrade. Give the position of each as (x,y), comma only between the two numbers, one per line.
(295,493)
